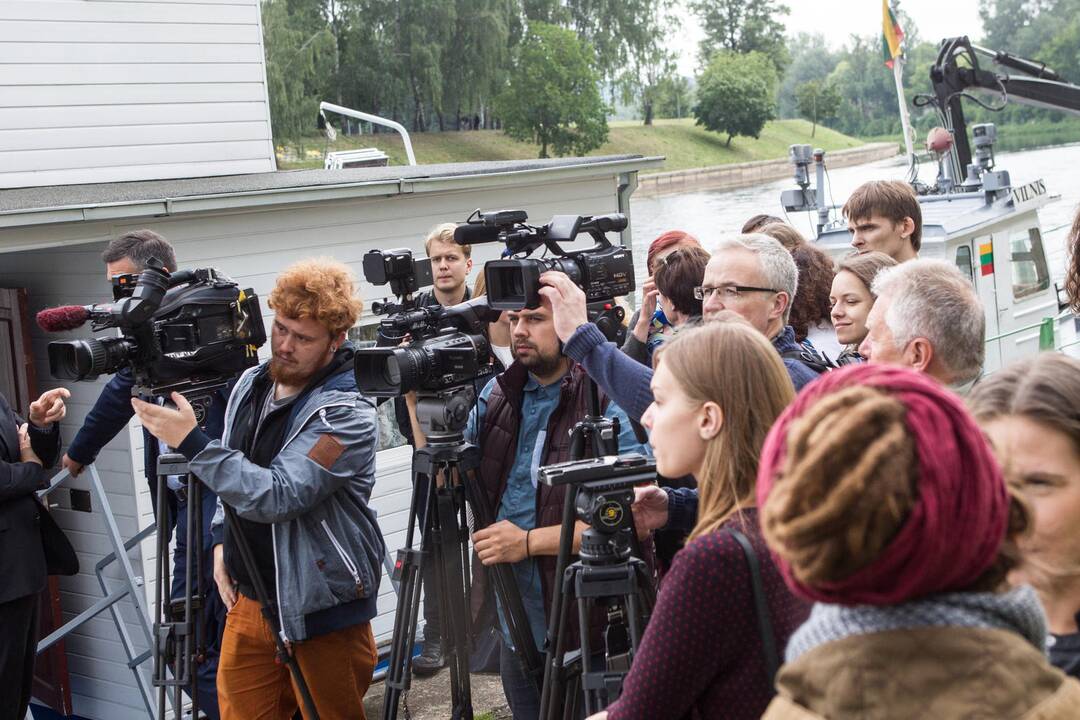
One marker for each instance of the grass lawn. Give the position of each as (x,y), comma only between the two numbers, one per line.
(684,144)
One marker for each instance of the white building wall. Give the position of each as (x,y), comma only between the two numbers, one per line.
(251,246)
(116,90)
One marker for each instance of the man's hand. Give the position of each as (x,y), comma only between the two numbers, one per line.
(567,303)
(647,310)
(165,423)
(26,451)
(502,542)
(650,508)
(72,466)
(49,408)
(225,586)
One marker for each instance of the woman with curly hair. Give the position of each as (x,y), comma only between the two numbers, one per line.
(1072,272)
(883,503)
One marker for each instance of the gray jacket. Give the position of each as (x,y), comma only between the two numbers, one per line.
(328,549)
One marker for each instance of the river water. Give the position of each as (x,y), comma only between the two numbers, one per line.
(711,215)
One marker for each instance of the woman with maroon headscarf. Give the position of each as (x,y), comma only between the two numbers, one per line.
(882,502)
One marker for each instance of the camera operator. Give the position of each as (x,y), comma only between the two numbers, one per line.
(297,463)
(111,413)
(750,275)
(522,421)
(450,265)
(26,449)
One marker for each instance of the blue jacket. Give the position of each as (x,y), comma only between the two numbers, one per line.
(111,413)
(626,382)
(328,549)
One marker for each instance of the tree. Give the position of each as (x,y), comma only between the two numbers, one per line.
(553,97)
(743,26)
(300,56)
(736,94)
(818,101)
(673,97)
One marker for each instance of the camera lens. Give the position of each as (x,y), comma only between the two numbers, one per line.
(389,372)
(82,359)
(513,284)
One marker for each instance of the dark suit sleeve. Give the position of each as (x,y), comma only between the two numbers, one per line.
(109,416)
(45,443)
(18,479)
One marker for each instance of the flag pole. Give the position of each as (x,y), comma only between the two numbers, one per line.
(905,120)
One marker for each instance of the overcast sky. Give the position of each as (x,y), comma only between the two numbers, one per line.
(839,19)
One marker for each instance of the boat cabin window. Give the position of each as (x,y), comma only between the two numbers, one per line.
(1029,272)
(389,434)
(963,262)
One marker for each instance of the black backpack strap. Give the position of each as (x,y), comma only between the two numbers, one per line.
(768,640)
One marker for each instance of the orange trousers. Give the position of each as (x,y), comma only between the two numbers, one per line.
(252,685)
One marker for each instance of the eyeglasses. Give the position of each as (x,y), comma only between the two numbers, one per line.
(728,292)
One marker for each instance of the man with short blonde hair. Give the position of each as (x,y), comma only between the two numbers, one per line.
(450,264)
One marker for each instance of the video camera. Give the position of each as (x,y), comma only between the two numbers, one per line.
(604,271)
(447,347)
(604,499)
(190,331)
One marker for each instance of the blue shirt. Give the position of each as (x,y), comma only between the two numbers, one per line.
(518,503)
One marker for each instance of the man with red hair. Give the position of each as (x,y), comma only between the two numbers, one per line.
(297,463)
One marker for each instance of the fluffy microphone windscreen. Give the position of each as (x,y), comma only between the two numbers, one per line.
(65,317)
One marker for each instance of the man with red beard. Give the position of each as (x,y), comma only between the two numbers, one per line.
(521,422)
(297,463)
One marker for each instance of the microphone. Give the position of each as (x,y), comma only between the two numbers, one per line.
(475,233)
(65,317)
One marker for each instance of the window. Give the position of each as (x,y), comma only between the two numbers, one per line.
(389,434)
(963,262)
(1029,271)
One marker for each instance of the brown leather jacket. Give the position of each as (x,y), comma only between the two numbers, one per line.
(951,672)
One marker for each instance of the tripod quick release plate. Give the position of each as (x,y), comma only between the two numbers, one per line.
(611,472)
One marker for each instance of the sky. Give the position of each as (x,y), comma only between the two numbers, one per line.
(839,19)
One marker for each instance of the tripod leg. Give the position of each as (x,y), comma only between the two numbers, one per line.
(409,564)
(447,549)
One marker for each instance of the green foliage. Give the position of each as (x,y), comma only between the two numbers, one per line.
(299,61)
(742,26)
(673,98)
(736,94)
(818,101)
(552,97)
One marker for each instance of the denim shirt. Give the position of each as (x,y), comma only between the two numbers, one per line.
(518,503)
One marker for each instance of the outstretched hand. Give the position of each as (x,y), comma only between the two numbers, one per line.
(568,306)
(49,408)
(165,423)
(650,508)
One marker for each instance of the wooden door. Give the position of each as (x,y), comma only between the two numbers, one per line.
(18,383)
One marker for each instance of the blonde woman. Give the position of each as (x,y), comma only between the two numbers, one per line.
(717,390)
(1031,412)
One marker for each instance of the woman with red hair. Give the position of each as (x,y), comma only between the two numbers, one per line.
(882,501)
(649,319)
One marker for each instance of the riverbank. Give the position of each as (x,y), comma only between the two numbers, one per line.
(684,144)
(1012,137)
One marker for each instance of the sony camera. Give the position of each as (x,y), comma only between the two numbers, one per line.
(190,331)
(604,271)
(447,347)
(605,496)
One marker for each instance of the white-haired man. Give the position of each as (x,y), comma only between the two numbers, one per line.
(927,317)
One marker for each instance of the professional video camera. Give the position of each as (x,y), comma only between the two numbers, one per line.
(604,271)
(447,347)
(190,331)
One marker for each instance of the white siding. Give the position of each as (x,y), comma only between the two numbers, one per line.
(253,247)
(118,90)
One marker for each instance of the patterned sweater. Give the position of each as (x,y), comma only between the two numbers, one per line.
(701,654)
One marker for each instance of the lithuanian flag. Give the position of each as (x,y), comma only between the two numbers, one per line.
(891,34)
(986,258)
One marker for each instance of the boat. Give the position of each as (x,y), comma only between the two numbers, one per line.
(974,214)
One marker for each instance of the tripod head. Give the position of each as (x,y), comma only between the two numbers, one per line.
(443,414)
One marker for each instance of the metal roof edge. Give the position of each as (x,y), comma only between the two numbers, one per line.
(170,206)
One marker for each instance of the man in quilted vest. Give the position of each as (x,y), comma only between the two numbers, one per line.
(522,421)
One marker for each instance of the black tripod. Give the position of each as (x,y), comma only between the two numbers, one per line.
(605,575)
(447,470)
(179,628)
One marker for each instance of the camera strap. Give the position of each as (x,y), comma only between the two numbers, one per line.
(765,628)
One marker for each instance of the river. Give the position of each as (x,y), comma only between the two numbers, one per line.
(711,215)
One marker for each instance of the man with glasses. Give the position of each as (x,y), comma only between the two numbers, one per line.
(750,275)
